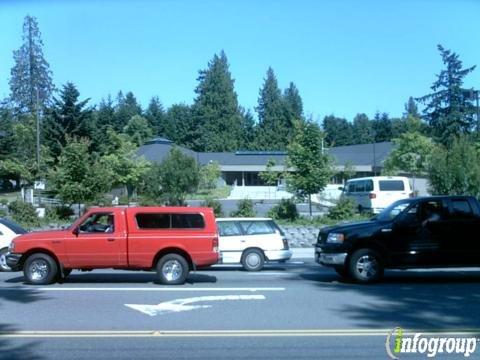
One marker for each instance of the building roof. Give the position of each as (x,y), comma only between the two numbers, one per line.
(363,154)
(157,149)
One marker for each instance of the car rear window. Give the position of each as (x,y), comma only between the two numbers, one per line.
(228,228)
(391,185)
(257,227)
(170,221)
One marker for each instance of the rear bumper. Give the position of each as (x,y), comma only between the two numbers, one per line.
(278,255)
(13,261)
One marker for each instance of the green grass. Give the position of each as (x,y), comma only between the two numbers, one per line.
(9,197)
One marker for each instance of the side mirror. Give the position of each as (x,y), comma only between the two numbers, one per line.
(75,231)
(340,188)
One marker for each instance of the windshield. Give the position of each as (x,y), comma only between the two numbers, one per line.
(393,210)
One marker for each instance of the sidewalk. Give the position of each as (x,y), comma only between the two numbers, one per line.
(302,253)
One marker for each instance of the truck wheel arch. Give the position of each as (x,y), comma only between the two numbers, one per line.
(40,250)
(370,245)
(173,250)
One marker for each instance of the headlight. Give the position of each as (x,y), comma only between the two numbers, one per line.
(11,247)
(335,238)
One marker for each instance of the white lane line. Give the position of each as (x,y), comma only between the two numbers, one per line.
(252,289)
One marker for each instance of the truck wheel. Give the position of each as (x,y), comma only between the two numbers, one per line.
(366,266)
(3,260)
(253,260)
(40,269)
(172,269)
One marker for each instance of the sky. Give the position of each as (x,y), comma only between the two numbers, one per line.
(345,57)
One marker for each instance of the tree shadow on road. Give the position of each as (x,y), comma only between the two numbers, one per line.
(438,300)
(23,349)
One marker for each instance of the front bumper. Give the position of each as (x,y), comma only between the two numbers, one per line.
(13,261)
(335,259)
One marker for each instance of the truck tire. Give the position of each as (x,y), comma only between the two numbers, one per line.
(253,260)
(172,269)
(3,260)
(366,266)
(40,269)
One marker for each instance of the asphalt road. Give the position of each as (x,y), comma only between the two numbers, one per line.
(298,310)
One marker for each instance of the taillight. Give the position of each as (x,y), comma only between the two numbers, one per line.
(372,196)
(285,244)
(215,244)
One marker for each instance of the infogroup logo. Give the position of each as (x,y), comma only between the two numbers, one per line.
(398,343)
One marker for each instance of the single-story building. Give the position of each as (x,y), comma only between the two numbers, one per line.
(241,169)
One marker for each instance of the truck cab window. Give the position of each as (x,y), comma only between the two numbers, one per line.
(98,223)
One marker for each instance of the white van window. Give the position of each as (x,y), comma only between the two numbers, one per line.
(256,227)
(351,187)
(369,185)
(391,185)
(360,186)
(228,228)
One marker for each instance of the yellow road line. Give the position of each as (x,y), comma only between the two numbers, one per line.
(229,333)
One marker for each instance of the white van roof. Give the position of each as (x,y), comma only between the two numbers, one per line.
(403,178)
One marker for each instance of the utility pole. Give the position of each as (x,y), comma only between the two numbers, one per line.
(38,131)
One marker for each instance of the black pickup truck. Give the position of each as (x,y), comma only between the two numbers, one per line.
(424,232)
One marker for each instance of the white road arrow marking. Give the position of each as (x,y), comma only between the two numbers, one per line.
(179,305)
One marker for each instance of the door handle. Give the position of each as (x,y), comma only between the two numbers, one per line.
(386,230)
(242,240)
(110,239)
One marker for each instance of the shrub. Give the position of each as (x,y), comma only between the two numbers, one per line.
(23,213)
(244,209)
(285,210)
(59,213)
(215,205)
(345,209)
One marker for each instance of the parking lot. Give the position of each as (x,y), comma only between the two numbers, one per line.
(293,310)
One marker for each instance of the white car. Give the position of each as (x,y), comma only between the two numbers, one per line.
(251,242)
(377,192)
(8,231)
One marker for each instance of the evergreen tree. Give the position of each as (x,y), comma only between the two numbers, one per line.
(338,131)
(411,108)
(103,119)
(30,75)
(293,103)
(362,130)
(382,127)
(155,116)
(127,107)
(449,108)
(218,119)
(274,129)
(67,118)
(179,125)
(249,130)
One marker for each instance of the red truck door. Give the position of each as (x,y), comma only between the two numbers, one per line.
(99,240)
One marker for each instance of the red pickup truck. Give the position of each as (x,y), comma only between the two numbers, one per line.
(170,240)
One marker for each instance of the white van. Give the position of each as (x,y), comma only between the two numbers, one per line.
(8,231)
(251,242)
(377,192)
